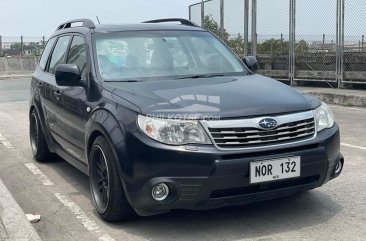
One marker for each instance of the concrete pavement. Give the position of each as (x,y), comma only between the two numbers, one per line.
(13,223)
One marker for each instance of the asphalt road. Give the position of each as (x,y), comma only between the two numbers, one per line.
(60,193)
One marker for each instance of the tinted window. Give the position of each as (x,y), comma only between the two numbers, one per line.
(77,54)
(59,53)
(46,53)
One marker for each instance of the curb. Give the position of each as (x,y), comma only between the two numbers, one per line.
(18,76)
(13,222)
(356,98)
(341,99)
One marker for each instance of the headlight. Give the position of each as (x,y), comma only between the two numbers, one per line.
(173,132)
(324,117)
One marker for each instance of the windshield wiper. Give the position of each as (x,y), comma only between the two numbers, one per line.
(126,81)
(198,76)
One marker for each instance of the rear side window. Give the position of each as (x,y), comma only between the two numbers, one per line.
(46,53)
(59,53)
(77,54)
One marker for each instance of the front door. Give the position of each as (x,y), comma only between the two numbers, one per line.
(70,107)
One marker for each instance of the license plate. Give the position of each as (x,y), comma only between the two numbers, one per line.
(271,170)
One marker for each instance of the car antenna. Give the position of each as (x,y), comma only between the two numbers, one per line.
(97,19)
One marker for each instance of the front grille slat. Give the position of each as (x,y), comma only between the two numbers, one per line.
(236,137)
(245,137)
(259,131)
(265,142)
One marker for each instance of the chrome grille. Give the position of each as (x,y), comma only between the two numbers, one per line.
(300,128)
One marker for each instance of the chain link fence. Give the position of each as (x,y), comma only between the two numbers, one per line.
(315,48)
(19,55)
(328,44)
(272,42)
(354,42)
(21,46)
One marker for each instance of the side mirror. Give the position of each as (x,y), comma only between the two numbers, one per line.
(68,75)
(251,62)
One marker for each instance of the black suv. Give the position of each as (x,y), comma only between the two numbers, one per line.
(165,116)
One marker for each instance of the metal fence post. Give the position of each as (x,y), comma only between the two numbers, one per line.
(254,27)
(363,42)
(292,41)
(43,42)
(21,45)
(340,43)
(202,13)
(222,21)
(337,44)
(342,40)
(6,65)
(1,46)
(246,26)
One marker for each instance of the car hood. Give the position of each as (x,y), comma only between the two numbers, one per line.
(218,97)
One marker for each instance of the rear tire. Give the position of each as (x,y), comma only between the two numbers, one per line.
(105,184)
(37,140)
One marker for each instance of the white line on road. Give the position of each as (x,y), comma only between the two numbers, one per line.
(41,176)
(106,237)
(353,146)
(87,222)
(5,142)
(348,108)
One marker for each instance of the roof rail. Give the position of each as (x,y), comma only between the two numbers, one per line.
(166,20)
(87,23)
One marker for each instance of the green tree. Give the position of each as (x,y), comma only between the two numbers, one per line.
(211,25)
(236,44)
(301,47)
(273,46)
(16,46)
(276,46)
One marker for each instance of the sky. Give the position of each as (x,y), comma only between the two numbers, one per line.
(33,18)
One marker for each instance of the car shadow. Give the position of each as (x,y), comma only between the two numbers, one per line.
(231,223)
(238,222)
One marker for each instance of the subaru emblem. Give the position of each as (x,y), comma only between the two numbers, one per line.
(267,123)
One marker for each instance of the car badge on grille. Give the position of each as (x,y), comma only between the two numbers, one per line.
(267,124)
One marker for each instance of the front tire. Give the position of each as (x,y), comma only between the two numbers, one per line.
(37,140)
(105,184)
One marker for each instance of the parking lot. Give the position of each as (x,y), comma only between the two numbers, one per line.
(60,193)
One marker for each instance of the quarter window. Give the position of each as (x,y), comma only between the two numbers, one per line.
(59,53)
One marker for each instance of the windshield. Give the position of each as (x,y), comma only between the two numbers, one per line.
(171,54)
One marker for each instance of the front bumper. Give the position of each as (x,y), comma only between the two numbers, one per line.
(205,178)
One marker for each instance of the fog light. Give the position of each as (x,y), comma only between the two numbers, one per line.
(338,168)
(160,192)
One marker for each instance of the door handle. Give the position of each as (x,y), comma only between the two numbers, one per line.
(39,84)
(57,94)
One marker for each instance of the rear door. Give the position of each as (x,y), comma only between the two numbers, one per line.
(42,87)
(70,107)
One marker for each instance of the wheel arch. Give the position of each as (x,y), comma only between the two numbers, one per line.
(103,123)
(42,120)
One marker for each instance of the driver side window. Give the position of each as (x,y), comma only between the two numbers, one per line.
(59,53)
(77,54)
